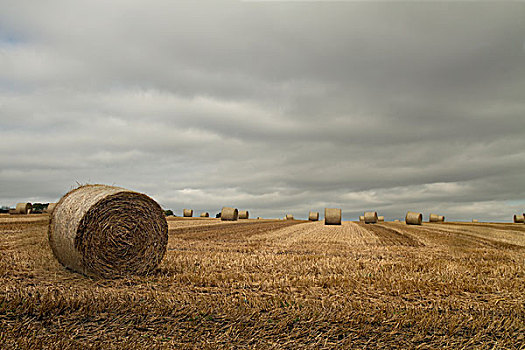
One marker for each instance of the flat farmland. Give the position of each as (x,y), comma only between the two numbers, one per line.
(275,284)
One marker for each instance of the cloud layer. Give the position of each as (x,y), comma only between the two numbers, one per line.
(276,107)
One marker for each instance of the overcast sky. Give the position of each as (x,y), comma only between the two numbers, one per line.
(274,107)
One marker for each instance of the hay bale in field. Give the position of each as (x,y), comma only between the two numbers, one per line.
(313,216)
(433,218)
(332,216)
(50,208)
(441,218)
(205,215)
(396,220)
(413,218)
(370,217)
(475,220)
(288,217)
(519,219)
(23,208)
(106,231)
(362,218)
(244,214)
(229,214)
(380,219)
(187,213)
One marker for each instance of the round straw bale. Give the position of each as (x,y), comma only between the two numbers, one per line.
(413,218)
(288,217)
(313,216)
(244,214)
(187,213)
(433,218)
(362,218)
(475,220)
(441,218)
(332,216)
(106,231)
(229,214)
(370,217)
(23,208)
(517,218)
(380,219)
(396,220)
(50,208)
(205,215)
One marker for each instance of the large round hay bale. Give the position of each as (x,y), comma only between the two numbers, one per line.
(187,213)
(413,218)
(380,219)
(332,216)
(519,219)
(441,218)
(205,215)
(229,214)
(288,217)
(370,217)
(23,208)
(433,218)
(106,231)
(244,214)
(362,218)
(313,216)
(50,208)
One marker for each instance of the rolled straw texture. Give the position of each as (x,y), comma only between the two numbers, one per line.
(229,214)
(519,219)
(244,214)
(187,213)
(105,231)
(23,208)
(205,215)
(332,216)
(413,218)
(433,218)
(313,216)
(370,217)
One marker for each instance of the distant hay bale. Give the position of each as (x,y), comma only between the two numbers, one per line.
(259,218)
(433,218)
(187,213)
(370,217)
(441,218)
(244,214)
(23,208)
(313,216)
(288,217)
(106,231)
(475,220)
(332,216)
(50,208)
(229,214)
(362,218)
(380,219)
(519,219)
(205,215)
(413,218)
(396,220)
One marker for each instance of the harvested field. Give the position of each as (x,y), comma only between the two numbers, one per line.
(280,284)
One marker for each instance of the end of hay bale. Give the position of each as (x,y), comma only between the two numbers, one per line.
(380,219)
(23,208)
(313,216)
(205,215)
(244,214)
(288,217)
(413,218)
(370,217)
(187,213)
(441,218)
(229,214)
(332,216)
(106,231)
(519,219)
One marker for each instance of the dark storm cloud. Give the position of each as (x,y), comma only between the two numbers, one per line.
(272,106)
